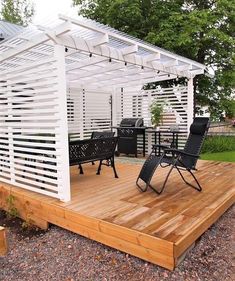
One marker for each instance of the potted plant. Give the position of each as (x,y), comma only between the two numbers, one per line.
(156,110)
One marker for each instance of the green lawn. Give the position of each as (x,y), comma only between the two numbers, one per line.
(228,156)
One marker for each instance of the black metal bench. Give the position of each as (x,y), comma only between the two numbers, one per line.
(91,150)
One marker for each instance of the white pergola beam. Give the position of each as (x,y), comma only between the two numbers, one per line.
(105,69)
(171,70)
(112,83)
(129,50)
(152,57)
(85,63)
(116,54)
(197,72)
(103,39)
(90,26)
(119,80)
(35,41)
(170,63)
(184,67)
(126,75)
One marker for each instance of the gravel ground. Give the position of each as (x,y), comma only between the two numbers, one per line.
(60,255)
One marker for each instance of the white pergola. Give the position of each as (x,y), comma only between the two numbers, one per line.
(43,68)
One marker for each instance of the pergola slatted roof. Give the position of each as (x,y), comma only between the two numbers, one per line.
(96,55)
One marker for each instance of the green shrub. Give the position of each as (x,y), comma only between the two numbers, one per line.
(218,144)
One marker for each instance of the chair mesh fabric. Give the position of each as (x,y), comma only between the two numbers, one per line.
(149,167)
(192,146)
(195,141)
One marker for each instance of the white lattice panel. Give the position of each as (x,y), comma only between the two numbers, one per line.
(175,101)
(88,111)
(32,128)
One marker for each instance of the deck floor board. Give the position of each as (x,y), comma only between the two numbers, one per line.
(114,212)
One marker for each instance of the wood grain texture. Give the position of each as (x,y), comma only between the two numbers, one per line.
(3,241)
(112,211)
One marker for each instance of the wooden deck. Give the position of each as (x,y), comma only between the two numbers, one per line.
(112,211)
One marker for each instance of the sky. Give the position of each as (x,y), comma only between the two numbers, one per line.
(46,9)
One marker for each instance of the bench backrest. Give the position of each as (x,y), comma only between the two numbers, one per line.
(104,134)
(91,150)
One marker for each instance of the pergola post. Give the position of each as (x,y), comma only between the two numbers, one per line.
(149,124)
(190,105)
(114,107)
(64,187)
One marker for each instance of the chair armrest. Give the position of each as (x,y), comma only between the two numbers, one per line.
(161,146)
(181,152)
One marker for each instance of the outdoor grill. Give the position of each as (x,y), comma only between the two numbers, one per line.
(128,132)
(132,122)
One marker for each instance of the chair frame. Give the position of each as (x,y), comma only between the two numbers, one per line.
(173,166)
(174,160)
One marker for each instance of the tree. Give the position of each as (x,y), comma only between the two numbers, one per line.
(202,30)
(17,11)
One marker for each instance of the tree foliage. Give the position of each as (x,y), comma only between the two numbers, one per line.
(202,30)
(17,11)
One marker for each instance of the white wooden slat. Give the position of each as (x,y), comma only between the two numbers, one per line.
(90,111)
(32,150)
(33,124)
(4,175)
(4,158)
(31,137)
(29,143)
(30,111)
(137,103)
(4,168)
(30,127)
(49,75)
(40,165)
(30,187)
(35,131)
(36,170)
(23,155)
(42,84)
(39,184)
(29,118)
(28,66)
(29,97)
(36,176)
(33,71)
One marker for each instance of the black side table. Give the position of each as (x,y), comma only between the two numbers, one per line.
(158,137)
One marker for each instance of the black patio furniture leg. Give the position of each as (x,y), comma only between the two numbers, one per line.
(99,168)
(140,187)
(81,169)
(113,166)
(198,187)
(166,179)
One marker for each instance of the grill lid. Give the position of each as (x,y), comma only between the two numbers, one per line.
(132,122)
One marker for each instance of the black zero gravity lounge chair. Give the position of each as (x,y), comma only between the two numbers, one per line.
(181,160)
